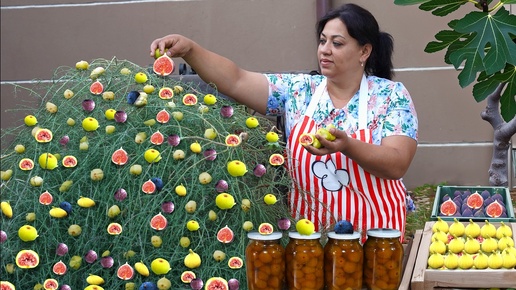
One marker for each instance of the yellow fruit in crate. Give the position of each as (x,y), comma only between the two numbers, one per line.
(472,246)
(495,260)
(440,235)
(465,261)
(437,246)
(503,230)
(489,245)
(440,225)
(435,261)
(480,261)
(509,259)
(456,228)
(472,229)
(488,230)
(505,242)
(456,245)
(451,261)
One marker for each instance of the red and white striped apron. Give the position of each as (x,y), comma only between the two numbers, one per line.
(333,187)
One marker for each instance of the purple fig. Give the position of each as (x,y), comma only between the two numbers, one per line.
(120,116)
(65,287)
(196,284)
(167,207)
(3,236)
(221,186)
(64,140)
(88,105)
(91,256)
(233,284)
(173,140)
(210,154)
(120,194)
(259,170)
(226,111)
(284,223)
(107,262)
(61,249)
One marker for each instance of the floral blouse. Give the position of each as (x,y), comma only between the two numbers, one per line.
(390,107)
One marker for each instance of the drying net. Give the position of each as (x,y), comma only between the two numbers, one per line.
(94,149)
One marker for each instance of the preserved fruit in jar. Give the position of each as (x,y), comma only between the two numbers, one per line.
(265,261)
(343,261)
(383,258)
(305,262)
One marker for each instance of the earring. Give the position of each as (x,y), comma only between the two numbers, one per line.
(361,63)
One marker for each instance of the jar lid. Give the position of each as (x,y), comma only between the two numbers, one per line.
(260,237)
(384,233)
(353,236)
(296,235)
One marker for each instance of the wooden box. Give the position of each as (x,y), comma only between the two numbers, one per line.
(424,278)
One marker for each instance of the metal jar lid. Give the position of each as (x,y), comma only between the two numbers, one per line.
(383,233)
(259,237)
(354,236)
(296,235)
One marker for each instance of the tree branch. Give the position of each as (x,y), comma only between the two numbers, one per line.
(492,113)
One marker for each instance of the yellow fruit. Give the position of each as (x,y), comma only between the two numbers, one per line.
(191,206)
(51,107)
(68,94)
(456,245)
(70,122)
(140,78)
(27,233)
(57,212)
(472,229)
(180,190)
(210,99)
(270,199)
(136,169)
(252,122)
(82,65)
(488,230)
(236,168)
(472,246)
(210,133)
(125,71)
(192,225)
(75,262)
(212,215)
(437,246)
(140,137)
(480,261)
(149,122)
(94,280)
(442,236)
(184,242)
(178,116)
(178,154)
(113,211)
(47,161)
(503,231)
(164,283)
(489,245)
(196,147)
(160,266)
(148,89)
(90,124)
(247,225)
(205,178)
(465,261)
(495,260)
(30,120)
(440,225)
(7,210)
(451,261)
(110,114)
(108,96)
(85,202)
(435,261)
(156,241)
(457,228)
(272,137)
(224,200)
(6,175)
(36,181)
(305,227)
(19,148)
(219,255)
(152,155)
(129,254)
(246,204)
(192,260)
(74,230)
(30,217)
(142,269)
(178,89)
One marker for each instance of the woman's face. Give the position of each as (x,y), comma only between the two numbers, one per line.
(338,52)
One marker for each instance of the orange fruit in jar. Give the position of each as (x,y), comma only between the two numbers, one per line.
(274,282)
(350,267)
(265,257)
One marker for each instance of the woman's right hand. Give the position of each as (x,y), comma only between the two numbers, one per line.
(177,45)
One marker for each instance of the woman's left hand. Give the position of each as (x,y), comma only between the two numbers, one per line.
(338,145)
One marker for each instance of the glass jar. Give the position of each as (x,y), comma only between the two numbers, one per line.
(305,262)
(265,261)
(343,262)
(383,259)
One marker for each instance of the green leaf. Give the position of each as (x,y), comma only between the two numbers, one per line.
(442,7)
(444,39)
(508,1)
(408,2)
(491,33)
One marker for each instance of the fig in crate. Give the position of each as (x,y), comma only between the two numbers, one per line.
(448,208)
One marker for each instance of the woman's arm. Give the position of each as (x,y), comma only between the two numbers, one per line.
(248,88)
(390,160)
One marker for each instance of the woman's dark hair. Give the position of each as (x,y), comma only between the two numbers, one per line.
(363,27)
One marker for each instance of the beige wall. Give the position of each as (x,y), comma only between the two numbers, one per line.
(264,35)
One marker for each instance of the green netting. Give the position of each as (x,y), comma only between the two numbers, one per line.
(138,208)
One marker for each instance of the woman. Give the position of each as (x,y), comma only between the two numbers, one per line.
(357,176)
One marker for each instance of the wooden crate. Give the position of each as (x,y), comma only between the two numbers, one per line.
(427,279)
